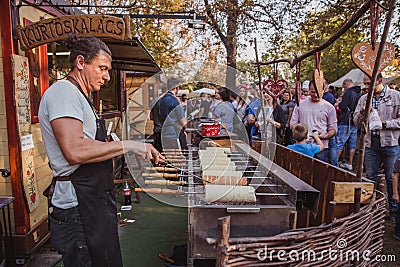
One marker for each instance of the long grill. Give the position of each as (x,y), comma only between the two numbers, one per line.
(278,195)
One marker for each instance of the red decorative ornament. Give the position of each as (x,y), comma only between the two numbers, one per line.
(275,88)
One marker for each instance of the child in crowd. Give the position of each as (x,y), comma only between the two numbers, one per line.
(300,134)
(396,174)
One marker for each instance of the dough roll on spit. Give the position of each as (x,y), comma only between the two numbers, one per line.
(223,167)
(205,161)
(224,180)
(229,193)
(222,173)
(217,149)
(215,159)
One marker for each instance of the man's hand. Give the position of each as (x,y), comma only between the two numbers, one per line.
(143,150)
(153,154)
(315,135)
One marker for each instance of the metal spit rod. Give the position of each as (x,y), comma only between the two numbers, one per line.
(170,169)
(177,175)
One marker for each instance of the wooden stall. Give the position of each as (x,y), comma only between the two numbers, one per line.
(325,178)
(350,220)
(32,58)
(331,181)
(354,240)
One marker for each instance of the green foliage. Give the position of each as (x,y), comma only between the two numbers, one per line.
(318,27)
(165,39)
(288,28)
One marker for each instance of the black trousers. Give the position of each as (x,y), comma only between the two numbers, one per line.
(68,238)
(157,141)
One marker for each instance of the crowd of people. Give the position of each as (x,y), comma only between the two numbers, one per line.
(324,125)
(80,152)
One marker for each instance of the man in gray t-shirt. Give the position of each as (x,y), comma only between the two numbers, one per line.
(83,221)
(63,99)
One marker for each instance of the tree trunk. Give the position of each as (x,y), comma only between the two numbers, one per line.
(231,43)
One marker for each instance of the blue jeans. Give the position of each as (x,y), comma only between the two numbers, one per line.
(332,151)
(372,159)
(397,226)
(68,238)
(346,134)
(322,155)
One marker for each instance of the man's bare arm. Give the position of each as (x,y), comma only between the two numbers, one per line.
(78,150)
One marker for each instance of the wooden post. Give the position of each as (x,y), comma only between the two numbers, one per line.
(224,225)
(293,220)
(381,183)
(332,205)
(357,198)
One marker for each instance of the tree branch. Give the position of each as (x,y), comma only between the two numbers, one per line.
(292,62)
(272,21)
(214,23)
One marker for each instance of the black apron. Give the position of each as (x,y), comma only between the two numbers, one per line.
(94,186)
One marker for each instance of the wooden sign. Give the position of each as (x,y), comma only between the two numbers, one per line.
(318,77)
(275,89)
(364,57)
(22,100)
(55,29)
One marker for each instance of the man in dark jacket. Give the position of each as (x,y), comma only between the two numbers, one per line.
(173,119)
(156,118)
(347,131)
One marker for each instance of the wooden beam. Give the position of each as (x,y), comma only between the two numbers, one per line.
(344,192)
(224,228)
(21,214)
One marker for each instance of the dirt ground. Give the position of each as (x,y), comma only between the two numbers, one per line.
(391,246)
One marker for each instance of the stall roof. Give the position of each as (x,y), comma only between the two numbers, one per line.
(394,79)
(131,55)
(356,75)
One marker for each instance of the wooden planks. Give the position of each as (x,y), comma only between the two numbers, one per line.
(344,192)
(322,177)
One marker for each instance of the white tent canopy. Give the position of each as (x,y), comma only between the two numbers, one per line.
(183,92)
(356,75)
(394,79)
(197,93)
